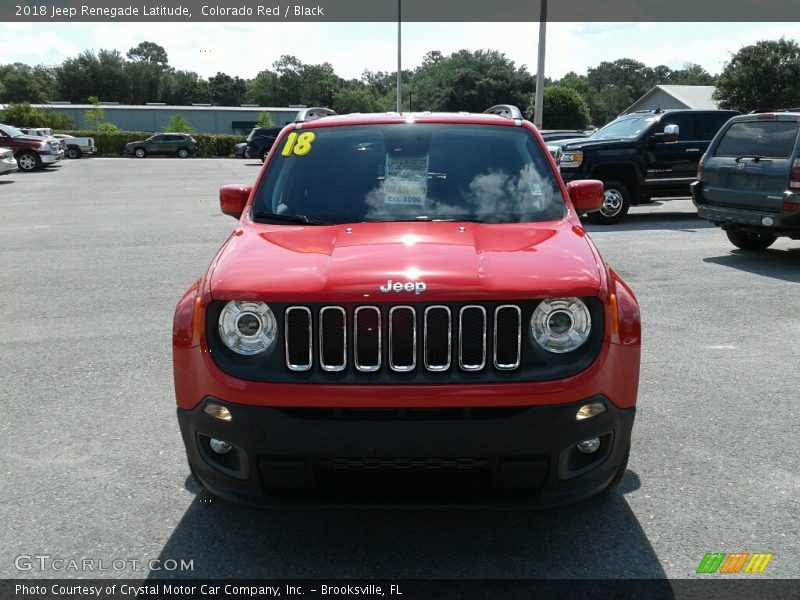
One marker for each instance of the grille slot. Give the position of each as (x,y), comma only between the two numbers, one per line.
(402,339)
(367,339)
(507,337)
(438,338)
(399,475)
(297,334)
(472,338)
(332,338)
(385,338)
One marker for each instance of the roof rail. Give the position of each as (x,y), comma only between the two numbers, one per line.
(759,111)
(312,114)
(509,111)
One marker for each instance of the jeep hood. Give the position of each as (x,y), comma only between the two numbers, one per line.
(456,261)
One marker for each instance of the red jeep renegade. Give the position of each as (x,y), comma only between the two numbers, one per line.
(408,311)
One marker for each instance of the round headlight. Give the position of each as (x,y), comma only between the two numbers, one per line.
(248,327)
(561,325)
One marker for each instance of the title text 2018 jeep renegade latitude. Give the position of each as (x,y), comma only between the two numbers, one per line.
(408,308)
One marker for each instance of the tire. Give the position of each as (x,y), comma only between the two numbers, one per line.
(183,153)
(264,155)
(615,206)
(73,152)
(140,153)
(28,162)
(620,470)
(746,240)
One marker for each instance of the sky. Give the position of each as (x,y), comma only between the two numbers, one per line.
(244,49)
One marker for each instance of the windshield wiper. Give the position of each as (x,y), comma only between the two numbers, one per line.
(298,219)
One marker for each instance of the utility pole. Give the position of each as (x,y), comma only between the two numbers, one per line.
(539,98)
(399,67)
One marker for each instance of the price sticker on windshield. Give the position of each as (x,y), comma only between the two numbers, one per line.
(298,145)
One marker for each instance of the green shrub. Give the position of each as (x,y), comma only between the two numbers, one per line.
(112,143)
(24,115)
(177,124)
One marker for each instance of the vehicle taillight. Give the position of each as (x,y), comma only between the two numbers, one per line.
(700,167)
(794,178)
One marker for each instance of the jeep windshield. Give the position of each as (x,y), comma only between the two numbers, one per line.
(407,172)
(624,128)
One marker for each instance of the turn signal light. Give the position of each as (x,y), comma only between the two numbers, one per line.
(587,411)
(218,412)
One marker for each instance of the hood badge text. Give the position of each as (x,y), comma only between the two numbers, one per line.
(410,286)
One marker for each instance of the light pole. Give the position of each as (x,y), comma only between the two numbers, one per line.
(539,98)
(399,69)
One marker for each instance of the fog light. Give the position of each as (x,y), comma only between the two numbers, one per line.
(218,412)
(221,447)
(586,446)
(587,411)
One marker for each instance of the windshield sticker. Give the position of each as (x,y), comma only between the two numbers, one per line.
(299,145)
(406,180)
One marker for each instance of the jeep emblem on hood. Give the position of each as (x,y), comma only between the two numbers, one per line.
(410,286)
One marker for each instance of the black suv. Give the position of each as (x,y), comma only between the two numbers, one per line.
(642,155)
(749,180)
(176,144)
(260,141)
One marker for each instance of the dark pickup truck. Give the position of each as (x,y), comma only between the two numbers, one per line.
(641,156)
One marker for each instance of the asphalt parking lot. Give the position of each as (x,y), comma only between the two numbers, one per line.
(95,253)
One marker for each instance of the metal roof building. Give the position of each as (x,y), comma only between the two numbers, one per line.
(676,96)
(154,117)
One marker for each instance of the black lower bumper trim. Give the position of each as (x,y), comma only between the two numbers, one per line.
(527,457)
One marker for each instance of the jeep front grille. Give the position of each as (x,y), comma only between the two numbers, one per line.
(435,339)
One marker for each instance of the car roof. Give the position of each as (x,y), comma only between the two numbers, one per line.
(462,118)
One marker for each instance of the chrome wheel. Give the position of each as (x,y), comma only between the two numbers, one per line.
(183,153)
(26,162)
(612,203)
(140,153)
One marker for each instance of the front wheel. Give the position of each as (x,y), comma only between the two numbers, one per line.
(616,202)
(27,161)
(747,240)
(183,153)
(140,153)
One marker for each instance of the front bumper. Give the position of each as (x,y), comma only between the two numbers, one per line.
(500,457)
(49,159)
(9,165)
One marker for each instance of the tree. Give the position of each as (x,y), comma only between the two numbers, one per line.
(264,120)
(225,90)
(102,75)
(24,115)
(22,83)
(262,89)
(356,97)
(692,74)
(183,87)
(177,124)
(149,53)
(763,75)
(563,108)
(471,81)
(95,116)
